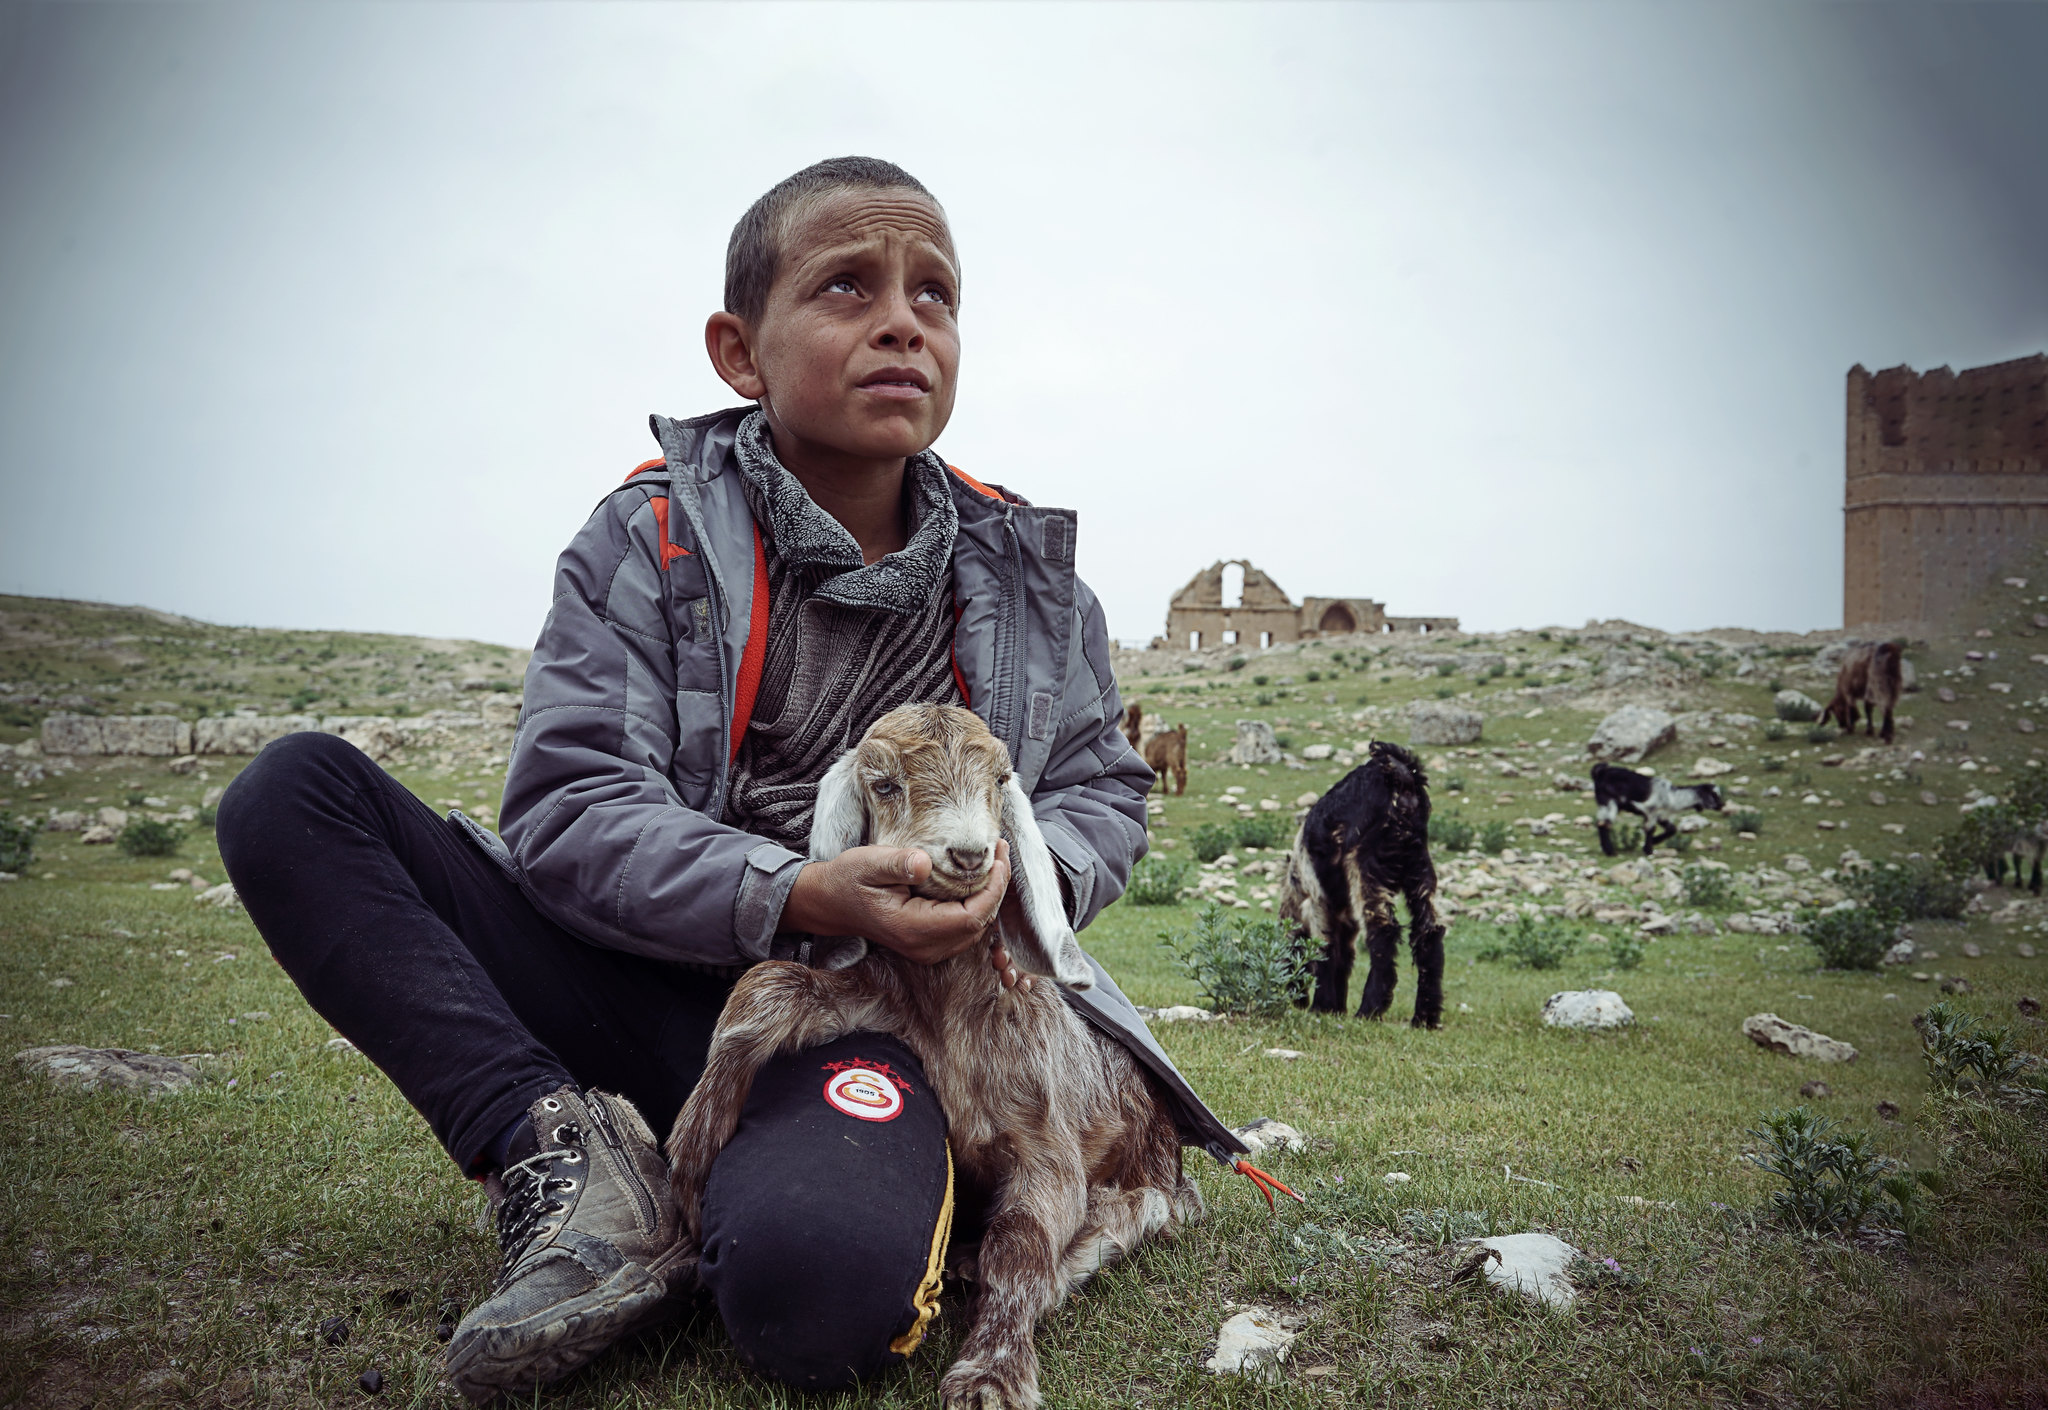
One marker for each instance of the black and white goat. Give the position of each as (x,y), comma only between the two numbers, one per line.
(1365,842)
(1657,801)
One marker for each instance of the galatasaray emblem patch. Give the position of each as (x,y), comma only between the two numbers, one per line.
(869,1092)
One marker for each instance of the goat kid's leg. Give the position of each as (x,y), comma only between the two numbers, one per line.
(1116,1223)
(1022,1271)
(776,1008)
(1426,947)
(1382,945)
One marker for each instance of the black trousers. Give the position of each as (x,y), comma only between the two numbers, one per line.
(822,1223)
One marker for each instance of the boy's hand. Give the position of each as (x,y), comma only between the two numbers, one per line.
(867,891)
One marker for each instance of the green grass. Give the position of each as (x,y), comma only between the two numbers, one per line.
(183,1250)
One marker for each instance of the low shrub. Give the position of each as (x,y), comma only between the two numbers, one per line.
(1444,692)
(1494,837)
(1820,734)
(1775,729)
(1315,675)
(1454,783)
(1445,668)
(1708,888)
(1210,841)
(1850,939)
(1241,964)
(1533,943)
(17,842)
(1626,951)
(1236,663)
(1914,891)
(1450,831)
(1796,712)
(1265,830)
(1628,839)
(207,815)
(1833,1184)
(1746,820)
(1962,1053)
(1158,881)
(145,838)
(1260,680)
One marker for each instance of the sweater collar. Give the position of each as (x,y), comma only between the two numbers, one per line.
(805,536)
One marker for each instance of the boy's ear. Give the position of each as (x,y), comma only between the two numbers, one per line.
(729,342)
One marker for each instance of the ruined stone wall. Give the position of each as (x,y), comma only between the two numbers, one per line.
(1267,616)
(1339,616)
(1946,482)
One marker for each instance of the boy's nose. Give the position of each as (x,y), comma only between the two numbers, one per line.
(898,326)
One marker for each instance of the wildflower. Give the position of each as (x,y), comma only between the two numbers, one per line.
(232,1081)
(1612,1264)
(1756,1341)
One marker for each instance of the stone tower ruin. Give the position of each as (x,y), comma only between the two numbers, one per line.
(1947,483)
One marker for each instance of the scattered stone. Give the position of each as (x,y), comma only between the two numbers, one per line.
(2028,1007)
(1899,953)
(1256,744)
(371,1381)
(334,1331)
(1396,1177)
(1972,950)
(1264,1134)
(1877,799)
(213,796)
(1767,1030)
(1889,1111)
(1711,768)
(98,835)
(1252,1343)
(163,735)
(1955,984)
(1440,722)
(1632,733)
(256,1016)
(1815,1088)
(1929,797)
(183,764)
(1789,703)
(1307,800)
(1945,694)
(1318,752)
(1284,1054)
(2023,950)
(1586,1008)
(93,1069)
(341,1045)
(1176,1013)
(221,897)
(1531,1265)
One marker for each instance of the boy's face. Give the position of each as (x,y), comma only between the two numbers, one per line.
(856,351)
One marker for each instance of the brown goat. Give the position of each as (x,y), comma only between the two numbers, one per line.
(1166,750)
(1134,721)
(1053,1123)
(1870,678)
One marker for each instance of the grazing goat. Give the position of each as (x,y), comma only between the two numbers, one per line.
(1365,842)
(1657,801)
(1054,1123)
(1168,751)
(1871,678)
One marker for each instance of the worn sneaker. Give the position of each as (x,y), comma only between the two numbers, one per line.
(591,1241)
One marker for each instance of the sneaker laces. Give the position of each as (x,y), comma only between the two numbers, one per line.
(529,1195)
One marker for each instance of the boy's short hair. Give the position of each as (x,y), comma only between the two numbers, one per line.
(755,249)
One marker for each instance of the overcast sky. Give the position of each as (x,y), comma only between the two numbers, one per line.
(345,316)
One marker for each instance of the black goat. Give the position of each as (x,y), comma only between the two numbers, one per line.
(1657,801)
(1363,843)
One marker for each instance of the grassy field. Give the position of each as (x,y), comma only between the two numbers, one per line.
(187,1250)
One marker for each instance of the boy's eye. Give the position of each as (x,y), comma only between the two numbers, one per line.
(932,294)
(842,286)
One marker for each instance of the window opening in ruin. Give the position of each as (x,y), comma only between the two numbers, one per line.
(1265,640)
(1230,638)
(1233,585)
(1337,619)
(1194,641)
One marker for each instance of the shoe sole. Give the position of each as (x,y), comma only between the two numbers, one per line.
(485,1361)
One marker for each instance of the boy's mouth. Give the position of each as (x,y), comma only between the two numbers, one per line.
(905,382)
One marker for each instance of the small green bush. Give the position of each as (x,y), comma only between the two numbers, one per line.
(1496,671)
(1850,939)
(1833,1184)
(1961,1052)
(1270,830)
(207,815)
(1775,729)
(1315,675)
(1494,837)
(1533,943)
(1914,891)
(1772,763)
(144,838)
(1797,712)
(1708,888)
(1445,668)
(17,842)
(1454,783)
(1262,697)
(1626,951)
(1451,832)
(1236,663)
(1820,734)
(1158,881)
(1260,680)
(1628,839)
(1444,692)
(133,800)
(1210,841)
(1241,964)
(1746,820)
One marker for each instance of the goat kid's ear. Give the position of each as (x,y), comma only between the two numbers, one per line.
(1046,945)
(841,818)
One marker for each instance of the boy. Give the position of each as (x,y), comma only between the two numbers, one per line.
(724,627)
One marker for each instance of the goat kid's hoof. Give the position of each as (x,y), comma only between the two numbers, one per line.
(971,1386)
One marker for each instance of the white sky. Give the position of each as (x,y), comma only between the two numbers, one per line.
(345,316)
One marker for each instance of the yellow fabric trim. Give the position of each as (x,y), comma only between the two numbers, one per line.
(926,1298)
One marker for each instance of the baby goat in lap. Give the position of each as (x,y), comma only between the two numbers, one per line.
(1054,1123)
(1365,842)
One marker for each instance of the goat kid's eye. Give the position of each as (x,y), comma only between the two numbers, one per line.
(884,787)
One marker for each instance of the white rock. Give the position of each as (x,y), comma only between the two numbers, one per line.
(1711,768)
(1256,744)
(1440,722)
(341,1045)
(1318,752)
(1767,1030)
(1252,1343)
(222,897)
(1531,1265)
(1631,733)
(1797,702)
(1177,1013)
(94,1068)
(1397,1177)
(1306,800)
(1265,1134)
(97,835)
(1284,1054)
(1901,953)
(1587,1008)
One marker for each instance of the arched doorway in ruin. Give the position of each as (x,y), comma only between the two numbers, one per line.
(1337,619)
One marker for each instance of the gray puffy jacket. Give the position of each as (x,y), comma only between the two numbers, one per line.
(619,770)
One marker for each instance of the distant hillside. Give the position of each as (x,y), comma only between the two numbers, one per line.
(96,658)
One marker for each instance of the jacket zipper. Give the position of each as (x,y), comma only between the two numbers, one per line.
(1004,709)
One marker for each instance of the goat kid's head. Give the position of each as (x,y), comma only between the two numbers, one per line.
(932,778)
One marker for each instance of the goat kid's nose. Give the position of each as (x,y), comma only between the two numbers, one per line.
(967,859)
